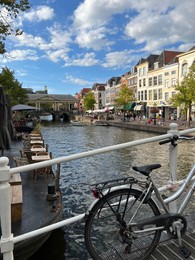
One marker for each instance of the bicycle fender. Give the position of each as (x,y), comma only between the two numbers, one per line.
(105,192)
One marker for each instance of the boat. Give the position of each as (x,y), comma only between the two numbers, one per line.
(75,122)
(101,123)
(34,210)
(78,123)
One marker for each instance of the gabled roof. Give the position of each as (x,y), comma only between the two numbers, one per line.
(99,86)
(167,57)
(193,48)
(114,79)
(150,59)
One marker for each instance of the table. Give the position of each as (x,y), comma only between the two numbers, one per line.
(35,135)
(35,138)
(36,141)
(41,157)
(41,149)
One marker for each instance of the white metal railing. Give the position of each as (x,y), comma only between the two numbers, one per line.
(7,240)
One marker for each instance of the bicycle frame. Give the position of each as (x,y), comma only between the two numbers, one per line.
(167,200)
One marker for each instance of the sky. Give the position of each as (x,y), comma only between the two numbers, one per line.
(68,45)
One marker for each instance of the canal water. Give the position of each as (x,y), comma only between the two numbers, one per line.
(76,176)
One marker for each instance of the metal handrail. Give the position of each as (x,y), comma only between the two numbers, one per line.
(7,239)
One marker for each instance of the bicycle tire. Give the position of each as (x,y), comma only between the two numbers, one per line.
(102,230)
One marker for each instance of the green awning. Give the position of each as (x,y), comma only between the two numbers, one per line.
(130,106)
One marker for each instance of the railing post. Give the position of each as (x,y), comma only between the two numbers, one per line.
(5,210)
(173,164)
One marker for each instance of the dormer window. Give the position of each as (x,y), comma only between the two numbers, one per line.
(156,65)
(184,69)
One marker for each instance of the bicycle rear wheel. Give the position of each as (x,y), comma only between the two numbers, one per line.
(104,236)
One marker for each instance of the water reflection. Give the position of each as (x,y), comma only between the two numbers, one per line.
(76,176)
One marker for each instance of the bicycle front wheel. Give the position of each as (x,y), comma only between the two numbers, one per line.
(105,236)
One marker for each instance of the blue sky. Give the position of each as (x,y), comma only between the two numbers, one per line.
(68,45)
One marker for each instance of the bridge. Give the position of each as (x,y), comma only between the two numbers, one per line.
(58,105)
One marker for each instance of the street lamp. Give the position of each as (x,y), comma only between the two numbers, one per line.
(154,110)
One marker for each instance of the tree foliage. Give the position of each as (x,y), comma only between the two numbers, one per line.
(185,95)
(9,10)
(124,96)
(89,101)
(12,87)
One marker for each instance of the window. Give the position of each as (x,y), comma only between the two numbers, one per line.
(166,73)
(166,96)
(159,79)
(150,94)
(150,82)
(173,72)
(140,72)
(140,83)
(173,82)
(142,95)
(144,71)
(138,95)
(145,98)
(184,69)
(155,80)
(160,93)
(166,83)
(144,82)
(156,65)
(155,94)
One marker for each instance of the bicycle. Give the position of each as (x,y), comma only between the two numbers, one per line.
(125,221)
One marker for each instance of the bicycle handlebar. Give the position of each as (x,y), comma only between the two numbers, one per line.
(171,140)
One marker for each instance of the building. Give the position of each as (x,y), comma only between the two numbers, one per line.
(99,94)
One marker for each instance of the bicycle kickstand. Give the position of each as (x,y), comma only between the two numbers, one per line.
(184,251)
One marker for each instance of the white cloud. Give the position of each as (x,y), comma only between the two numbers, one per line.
(57,55)
(85,60)
(93,13)
(95,39)
(73,80)
(159,25)
(23,55)
(40,13)
(118,59)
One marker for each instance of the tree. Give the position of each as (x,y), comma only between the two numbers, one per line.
(9,10)
(89,101)
(124,97)
(185,95)
(12,87)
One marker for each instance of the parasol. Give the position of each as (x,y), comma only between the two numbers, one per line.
(21,107)
(10,124)
(5,140)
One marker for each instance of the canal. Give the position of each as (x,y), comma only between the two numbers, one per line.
(76,176)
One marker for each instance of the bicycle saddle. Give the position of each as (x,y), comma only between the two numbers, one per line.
(146,169)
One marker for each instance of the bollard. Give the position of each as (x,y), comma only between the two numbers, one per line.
(173,165)
(5,210)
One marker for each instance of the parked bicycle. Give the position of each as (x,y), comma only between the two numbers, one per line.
(126,219)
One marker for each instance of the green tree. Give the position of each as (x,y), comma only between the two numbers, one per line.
(124,97)
(9,10)
(89,101)
(185,95)
(12,87)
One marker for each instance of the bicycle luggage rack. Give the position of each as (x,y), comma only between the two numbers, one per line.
(112,183)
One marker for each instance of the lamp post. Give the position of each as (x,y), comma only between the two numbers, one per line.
(154,110)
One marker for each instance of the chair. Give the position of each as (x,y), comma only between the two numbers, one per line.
(40,171)
(37,146)
(19,161)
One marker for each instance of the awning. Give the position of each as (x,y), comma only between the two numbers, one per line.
(138,107)
(130,106)
(110,108)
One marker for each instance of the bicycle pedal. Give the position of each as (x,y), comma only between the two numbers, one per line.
(185,252)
